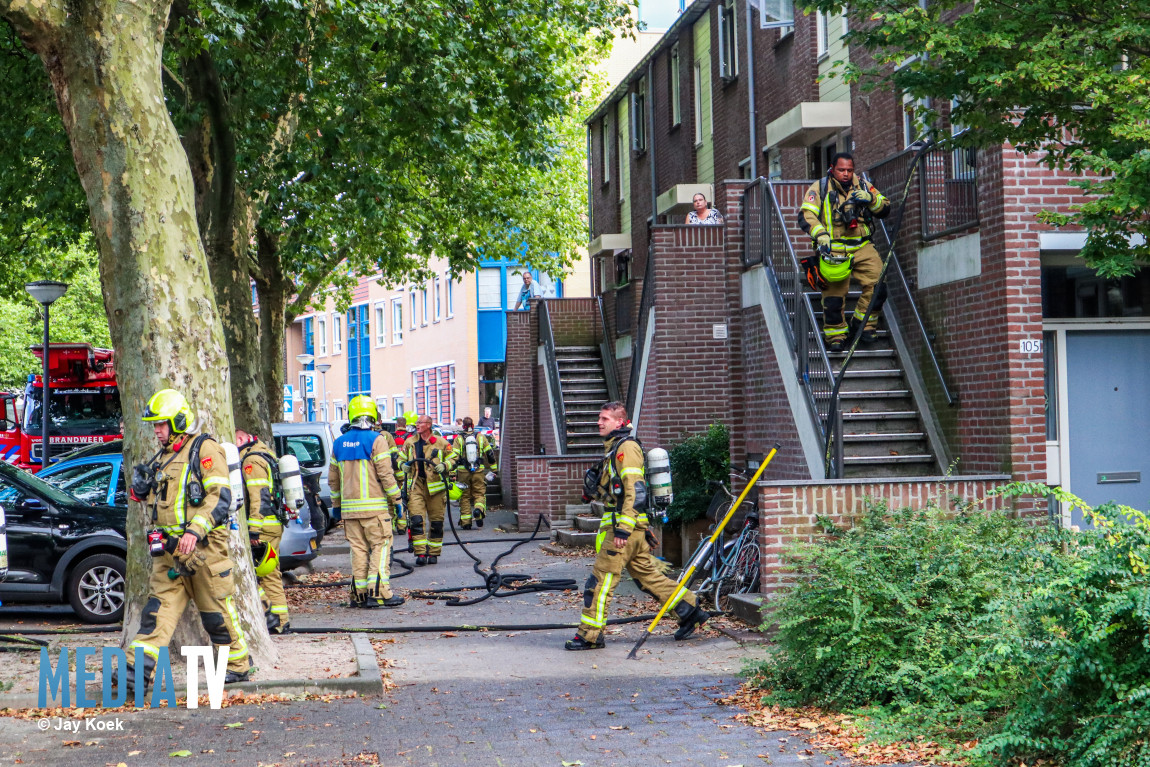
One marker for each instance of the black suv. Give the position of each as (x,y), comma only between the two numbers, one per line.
(62,549)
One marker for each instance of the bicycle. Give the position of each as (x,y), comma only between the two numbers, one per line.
(732,567)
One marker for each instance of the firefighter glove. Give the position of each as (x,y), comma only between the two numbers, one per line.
(141,482)
(823,241)
(652,541)
(862,196)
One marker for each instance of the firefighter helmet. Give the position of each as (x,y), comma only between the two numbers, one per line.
(362,412)
(169,405)
(265,557)
(455,490)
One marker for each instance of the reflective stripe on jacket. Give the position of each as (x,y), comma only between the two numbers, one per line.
(434,452)
(169,501)
(360,475)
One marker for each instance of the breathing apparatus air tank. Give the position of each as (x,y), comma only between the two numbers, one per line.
(235,475)
(292,484)
(471,449)
(659,477)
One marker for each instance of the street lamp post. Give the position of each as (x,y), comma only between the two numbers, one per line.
(45,293)
(304,360)
(323,368)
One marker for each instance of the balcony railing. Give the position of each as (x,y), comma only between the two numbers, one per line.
(558,408)
(646,301)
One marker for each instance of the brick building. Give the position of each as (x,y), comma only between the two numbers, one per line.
(1001,355)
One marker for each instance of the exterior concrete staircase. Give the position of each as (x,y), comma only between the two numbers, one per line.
(883,435)
(584,390)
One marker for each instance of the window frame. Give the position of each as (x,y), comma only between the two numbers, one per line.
(676,87)
(639,117)
(321,333)
(822,35)
(622,155)
(411,293)
(423,298)
(728,41)
(336,333)
(450,288)
(438,301)
(396,321)
(380,324)
(698,93)
(605,148)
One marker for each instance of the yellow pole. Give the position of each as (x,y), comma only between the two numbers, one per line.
(689,573)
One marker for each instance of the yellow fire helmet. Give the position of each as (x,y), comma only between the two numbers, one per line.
(360,407)
(266,559)
(171,406)
(455,491)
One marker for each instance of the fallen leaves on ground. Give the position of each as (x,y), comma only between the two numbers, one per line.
(231,698)
(380,647)
(829,730)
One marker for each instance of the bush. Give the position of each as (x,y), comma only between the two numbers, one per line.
(695,461)
(975,625)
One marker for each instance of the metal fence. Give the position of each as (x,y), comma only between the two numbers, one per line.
(558,408)
(646,301)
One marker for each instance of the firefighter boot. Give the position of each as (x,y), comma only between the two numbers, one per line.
(579,643)
(420,560)
(690,618)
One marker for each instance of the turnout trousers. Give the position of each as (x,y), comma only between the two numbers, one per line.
(608,569)
(370,541)
(272,588)
(211,587)
(474,500)
(865,268)
(427,512)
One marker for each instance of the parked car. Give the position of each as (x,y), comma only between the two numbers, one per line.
(310,442)
(99,478)
(63,549)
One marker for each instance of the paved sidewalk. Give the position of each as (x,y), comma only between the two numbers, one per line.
(503,699)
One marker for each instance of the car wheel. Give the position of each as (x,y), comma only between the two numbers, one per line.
(97,589)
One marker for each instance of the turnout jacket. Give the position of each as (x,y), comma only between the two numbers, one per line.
(823,214)
(169,505)
(259,482)
(624,465)
(458,456)
(360,476)
(432,454)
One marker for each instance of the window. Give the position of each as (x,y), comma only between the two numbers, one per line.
(308,450)
(412,296)
(846,21)
(774,164)
(621,157)
(450,296)
(605,149)
(728,45)
(321,336)
(489,290)
(676,90)
(698,87)
(822,34)
(381,324)
(438,302)
(381,406)
(913,127)
(639,117)
(89,482)
(423,301)
(397,406)
(339,416)
(336,334)
(397,320)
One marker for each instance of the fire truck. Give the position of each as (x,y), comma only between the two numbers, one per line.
(83,406)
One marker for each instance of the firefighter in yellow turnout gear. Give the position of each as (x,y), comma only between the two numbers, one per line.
(362,481)
(623,538)
(837,213)
(425,461)
(187,496)
(265,525)
(472,457)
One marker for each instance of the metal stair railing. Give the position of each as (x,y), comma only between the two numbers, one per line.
(640,342)
(608,355)
(768,236)
(558,407)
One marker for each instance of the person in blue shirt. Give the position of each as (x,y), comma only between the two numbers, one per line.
(529,290)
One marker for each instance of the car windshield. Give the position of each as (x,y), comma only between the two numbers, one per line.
(33,484)
(78,411)
(88,481)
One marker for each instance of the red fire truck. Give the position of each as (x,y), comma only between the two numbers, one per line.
(83,405)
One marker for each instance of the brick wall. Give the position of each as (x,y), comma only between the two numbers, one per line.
(788,512)
(573,320)
(547,483)
(519,429)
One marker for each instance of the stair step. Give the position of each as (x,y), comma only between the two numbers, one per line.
(880,414)
(876,373)
(904,436)
(574,539)
(587,523)
(877,460)
(586,369)
(867,393)
(575,349)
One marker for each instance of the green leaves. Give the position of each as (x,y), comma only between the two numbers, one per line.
(695,461)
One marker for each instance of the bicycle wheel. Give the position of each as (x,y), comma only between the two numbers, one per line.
(736,564)
(747,570)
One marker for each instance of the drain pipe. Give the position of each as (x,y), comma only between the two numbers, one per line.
(751,96)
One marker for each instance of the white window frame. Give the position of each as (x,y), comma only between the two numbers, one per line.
(910,130)
(438,301)
(639,117)
(380,324)
(450,287)
(336,333)
(846,21)
(396,321)
(321,334)
(623,154)
(676,88)
(775,164)
(605,146)
(381,406)
(413,307)
(423,299)
(397,404)
(728,39)
(698,87)
(822,34)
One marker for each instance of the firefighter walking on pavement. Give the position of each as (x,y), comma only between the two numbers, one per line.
(838,213)
(361,481)
(472,457)
(187,496)
(425,462)
(624,540)
(266,518)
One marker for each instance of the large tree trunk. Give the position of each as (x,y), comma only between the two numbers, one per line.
(103,59)
(273,290)
(211,150)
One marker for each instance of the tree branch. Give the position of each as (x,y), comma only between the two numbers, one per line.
(34,19)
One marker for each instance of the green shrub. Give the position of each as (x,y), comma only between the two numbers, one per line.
(695,461)
(975,625)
